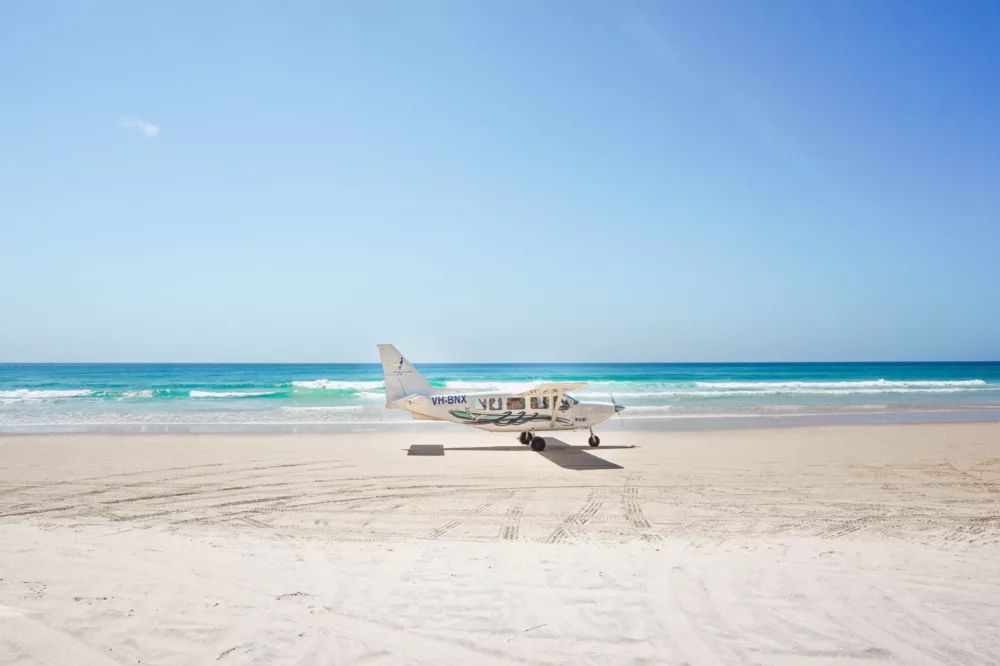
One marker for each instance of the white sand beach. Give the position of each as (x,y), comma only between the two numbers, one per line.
(825,545)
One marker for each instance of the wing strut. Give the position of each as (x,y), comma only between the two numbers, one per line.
(556,401)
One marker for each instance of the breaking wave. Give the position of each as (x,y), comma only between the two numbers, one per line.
(498,387)
(136,394)
(336,385)
(231,394)
(29,394)
(681,393)
(877,383)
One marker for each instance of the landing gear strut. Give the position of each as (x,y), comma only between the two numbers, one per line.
(537,443)
(594,439)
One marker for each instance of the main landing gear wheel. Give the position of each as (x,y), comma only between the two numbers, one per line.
(594,440)
(537,444)
(525,437)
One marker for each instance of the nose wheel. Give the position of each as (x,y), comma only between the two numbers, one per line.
(594,439)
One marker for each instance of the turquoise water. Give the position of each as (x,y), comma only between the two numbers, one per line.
(54,398)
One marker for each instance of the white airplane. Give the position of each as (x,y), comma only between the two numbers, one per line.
(547,406)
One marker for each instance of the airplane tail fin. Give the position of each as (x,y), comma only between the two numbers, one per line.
(401,378)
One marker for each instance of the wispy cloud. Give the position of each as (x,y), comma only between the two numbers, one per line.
(747,106)
(139,125)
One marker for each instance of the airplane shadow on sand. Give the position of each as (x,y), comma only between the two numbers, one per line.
(556,451)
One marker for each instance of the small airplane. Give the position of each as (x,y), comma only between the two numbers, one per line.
(546,406)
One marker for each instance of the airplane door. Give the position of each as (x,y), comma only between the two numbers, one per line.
(564,410)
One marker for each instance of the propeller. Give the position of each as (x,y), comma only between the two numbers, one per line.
(618,409)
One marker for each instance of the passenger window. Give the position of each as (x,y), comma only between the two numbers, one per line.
(540,402)
(481,403)
(515,404)
(496,404)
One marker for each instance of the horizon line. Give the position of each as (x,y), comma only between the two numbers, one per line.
(376,363)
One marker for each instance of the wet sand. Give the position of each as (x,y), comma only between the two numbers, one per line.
(874,544)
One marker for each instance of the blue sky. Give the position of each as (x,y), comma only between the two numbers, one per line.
(500,181)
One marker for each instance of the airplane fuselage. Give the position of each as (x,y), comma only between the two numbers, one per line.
(507,412)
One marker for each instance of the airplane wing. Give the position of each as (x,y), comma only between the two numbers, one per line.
(554,389)
(548,388)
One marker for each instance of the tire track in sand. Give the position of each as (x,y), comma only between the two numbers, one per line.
(632,504)
(566,531)
(441,530)
(510,527)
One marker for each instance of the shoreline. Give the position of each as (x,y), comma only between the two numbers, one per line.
(679,423)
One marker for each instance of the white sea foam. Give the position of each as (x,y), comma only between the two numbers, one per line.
(877,383)
(137,394)
(719,389)
(697,415)
(231,394)
(325,408)
(497,387)
(371,395)
(30,394)
(682,393)
(649,408)
(337,385)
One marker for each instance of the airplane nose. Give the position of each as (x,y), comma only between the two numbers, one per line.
(619,408)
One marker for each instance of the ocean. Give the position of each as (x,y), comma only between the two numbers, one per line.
(287,397)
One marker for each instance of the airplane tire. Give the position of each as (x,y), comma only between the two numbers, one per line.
(525,437)
(594,440)
(537,444)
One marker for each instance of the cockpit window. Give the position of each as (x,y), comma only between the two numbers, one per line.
(567,402)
